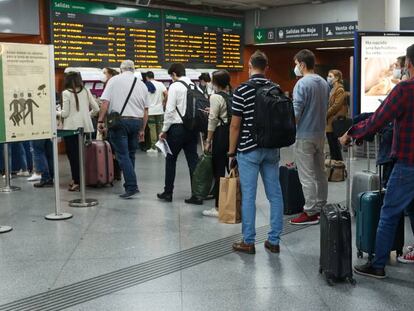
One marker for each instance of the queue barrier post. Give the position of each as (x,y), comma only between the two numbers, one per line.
(7,187)
(83,201)
(57,215)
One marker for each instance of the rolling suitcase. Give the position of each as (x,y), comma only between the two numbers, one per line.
(362,182)
(367,219)
(293,199)
(99,164)
(336,244)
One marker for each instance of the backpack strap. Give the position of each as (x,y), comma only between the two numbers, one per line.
(188,89)
(226,98)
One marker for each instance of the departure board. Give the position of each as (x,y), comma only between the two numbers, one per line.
(91,34)
(100,34)
(203,41)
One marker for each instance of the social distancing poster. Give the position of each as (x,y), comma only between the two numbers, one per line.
(26,93)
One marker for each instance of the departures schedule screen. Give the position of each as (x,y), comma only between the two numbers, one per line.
(95,34)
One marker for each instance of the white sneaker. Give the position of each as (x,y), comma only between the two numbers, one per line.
(23,173)
(35,177)
(211,212)
(152,151)
(407,258)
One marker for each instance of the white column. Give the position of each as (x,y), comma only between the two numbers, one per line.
(379,15)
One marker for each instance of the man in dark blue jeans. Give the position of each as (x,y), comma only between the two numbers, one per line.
(397,107)
(177,136)
(43,153)
(126,95)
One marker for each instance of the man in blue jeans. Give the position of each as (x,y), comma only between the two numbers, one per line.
(133,120)
(253,160)
(43,154)
(397,107)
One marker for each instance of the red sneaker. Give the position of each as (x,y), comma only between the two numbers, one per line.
(305,219)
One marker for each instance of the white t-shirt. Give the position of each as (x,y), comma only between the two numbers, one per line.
(155,99)
(116,92)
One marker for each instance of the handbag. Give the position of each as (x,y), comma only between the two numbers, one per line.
(203,176)
(230,198)
(114,118)
(336,170)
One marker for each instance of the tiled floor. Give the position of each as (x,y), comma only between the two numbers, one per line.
(39,255)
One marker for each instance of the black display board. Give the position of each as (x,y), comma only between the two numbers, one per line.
(95,34)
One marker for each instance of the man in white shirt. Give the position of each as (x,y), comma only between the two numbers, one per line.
(156,103)
(177,136)
(124,138)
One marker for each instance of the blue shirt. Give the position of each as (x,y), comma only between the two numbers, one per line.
(310,100)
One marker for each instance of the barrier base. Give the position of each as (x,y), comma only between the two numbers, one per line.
(60,216)
(8,189)
(4,229)
(86,203)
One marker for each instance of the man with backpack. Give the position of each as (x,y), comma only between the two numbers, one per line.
(179,129)
(262,122)
(310,98)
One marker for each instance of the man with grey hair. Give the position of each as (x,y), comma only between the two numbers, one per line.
(128,96)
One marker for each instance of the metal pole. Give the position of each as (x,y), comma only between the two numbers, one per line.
(7,188)
(57,215)
(83,201)
(348,180)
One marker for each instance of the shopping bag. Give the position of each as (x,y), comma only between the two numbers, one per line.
(203,176)
(230,198)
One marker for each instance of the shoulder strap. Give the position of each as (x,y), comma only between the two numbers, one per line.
(129,96)
(185,84)
(226,98)
(188,88)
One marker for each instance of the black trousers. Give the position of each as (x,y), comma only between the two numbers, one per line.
(72,151)
(220,160)
(178,139)
(334,147)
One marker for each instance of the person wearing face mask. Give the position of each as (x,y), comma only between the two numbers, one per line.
(310,101)
(338,107)
(218,131)
(397,108)
(108,74)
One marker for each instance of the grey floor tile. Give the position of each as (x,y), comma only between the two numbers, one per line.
(270,299)
(25,278)
(133,302)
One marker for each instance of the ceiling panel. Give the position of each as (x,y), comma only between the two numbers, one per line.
(248,4)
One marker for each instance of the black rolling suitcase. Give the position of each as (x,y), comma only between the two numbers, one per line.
(293,199)
(336,244)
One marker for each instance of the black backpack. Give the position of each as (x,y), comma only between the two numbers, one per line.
(196,115)
(229,101)
(274,117)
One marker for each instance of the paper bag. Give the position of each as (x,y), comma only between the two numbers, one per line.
(230,199)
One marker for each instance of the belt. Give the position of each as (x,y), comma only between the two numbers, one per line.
(131,118)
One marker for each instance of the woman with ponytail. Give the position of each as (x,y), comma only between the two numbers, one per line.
(218,131)
(77,106)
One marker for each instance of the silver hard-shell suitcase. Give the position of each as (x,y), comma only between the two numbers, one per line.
(366,180)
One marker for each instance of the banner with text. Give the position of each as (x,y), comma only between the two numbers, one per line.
(25,92)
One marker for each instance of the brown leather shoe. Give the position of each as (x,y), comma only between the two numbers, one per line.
(244,248)
(271,247)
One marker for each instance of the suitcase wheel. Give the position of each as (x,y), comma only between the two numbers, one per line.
(329,280)
(360,254)
(351,281)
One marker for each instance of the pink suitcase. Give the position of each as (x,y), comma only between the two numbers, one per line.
(99,164)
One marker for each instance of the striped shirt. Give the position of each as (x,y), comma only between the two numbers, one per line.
(243,106)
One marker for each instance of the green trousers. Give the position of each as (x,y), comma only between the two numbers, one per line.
(155,126)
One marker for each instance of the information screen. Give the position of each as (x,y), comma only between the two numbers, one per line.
(87,34)
(203,41)
(95,34)
(378,69)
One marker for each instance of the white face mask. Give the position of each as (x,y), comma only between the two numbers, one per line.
(104,79)
(396,73)
(297,71)
(330,80)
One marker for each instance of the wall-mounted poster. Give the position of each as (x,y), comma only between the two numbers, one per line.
(379,69)
(26,92)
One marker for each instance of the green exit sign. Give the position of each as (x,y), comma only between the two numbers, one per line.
(262,35)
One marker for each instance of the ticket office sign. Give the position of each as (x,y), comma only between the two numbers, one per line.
(26,92)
